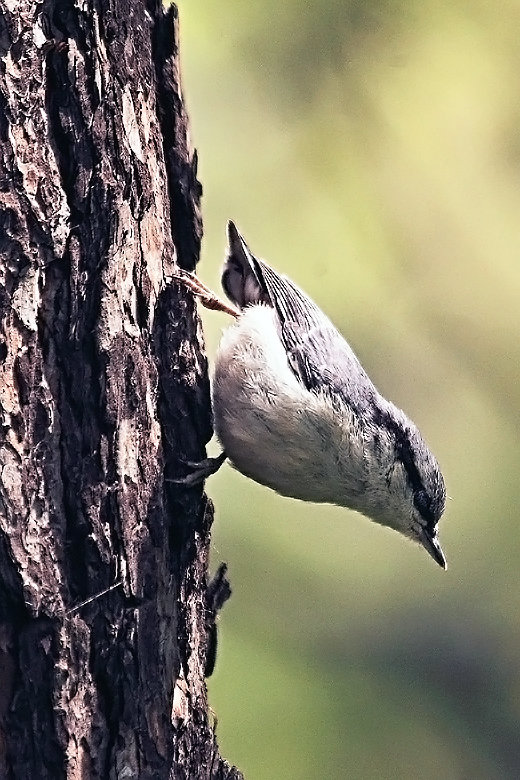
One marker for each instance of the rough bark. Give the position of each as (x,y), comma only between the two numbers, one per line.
(103,395)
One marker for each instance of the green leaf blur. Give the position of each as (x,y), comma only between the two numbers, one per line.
(371,150)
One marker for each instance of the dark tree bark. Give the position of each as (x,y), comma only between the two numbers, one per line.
(103,395)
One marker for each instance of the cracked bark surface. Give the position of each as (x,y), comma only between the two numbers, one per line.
(103,394)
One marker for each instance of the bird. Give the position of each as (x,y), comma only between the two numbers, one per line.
(295,410)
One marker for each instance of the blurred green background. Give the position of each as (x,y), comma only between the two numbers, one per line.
(371,150)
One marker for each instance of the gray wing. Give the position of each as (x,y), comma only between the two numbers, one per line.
(317,353)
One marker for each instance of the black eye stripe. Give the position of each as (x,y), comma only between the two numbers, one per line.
(404,454)
(423,504)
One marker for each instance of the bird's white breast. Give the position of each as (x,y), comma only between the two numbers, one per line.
(272,428)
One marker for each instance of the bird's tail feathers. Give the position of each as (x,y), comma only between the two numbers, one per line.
(242,277)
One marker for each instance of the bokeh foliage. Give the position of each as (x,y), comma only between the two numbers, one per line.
(371,150)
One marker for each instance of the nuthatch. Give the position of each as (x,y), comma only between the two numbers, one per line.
(295,410)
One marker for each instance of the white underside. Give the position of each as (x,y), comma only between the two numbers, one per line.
(273,429)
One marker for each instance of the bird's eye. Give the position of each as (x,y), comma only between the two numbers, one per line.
(422,502)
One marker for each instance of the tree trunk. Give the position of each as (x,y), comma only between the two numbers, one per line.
(103,395)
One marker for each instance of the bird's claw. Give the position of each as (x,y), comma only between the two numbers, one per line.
(199,470)
(207,297)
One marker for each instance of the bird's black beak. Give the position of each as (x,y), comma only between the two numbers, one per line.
(431,544)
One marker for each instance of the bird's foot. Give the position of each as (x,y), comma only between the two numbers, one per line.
(208,298)
(199,470)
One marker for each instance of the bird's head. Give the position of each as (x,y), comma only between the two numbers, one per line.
(412,494)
